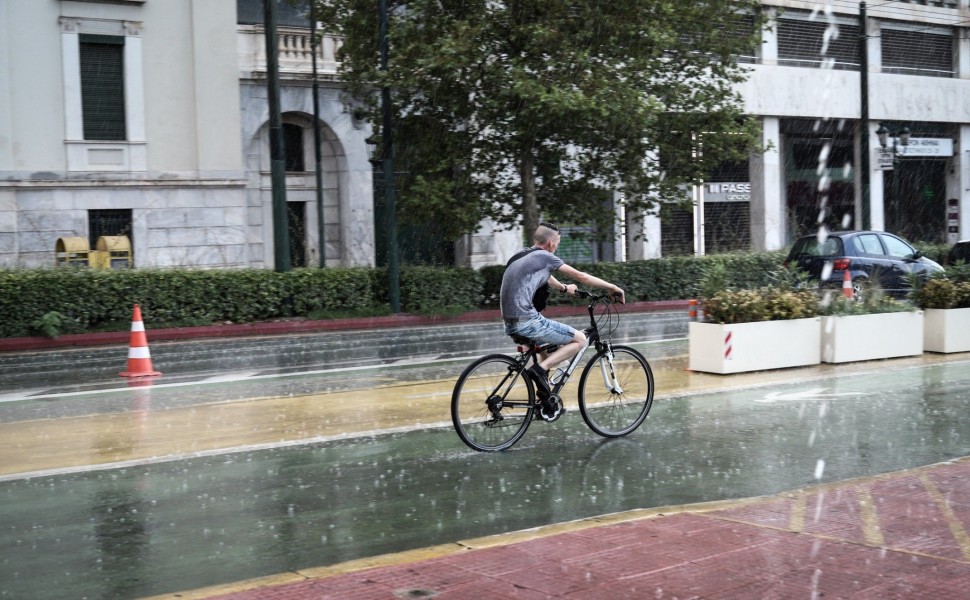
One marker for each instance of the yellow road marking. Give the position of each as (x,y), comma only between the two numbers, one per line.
(956,528)
(870,518)
(797,522)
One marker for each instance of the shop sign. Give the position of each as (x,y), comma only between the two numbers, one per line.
(926,148)
(884,159)
(727,192)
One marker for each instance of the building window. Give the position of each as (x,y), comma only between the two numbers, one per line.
(743,27)
(740,27)
(110,222)
(677,230)
(802,40)
(104,103)
(293,147)
(727,226)
(922,51)
(102,63)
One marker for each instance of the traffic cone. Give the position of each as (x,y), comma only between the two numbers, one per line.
(692,309)
(139,358)
(847,285)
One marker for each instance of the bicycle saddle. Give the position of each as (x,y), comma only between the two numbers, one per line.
(518,339)
(529,342)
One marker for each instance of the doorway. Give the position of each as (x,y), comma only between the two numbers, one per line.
(296,228)
(915,205)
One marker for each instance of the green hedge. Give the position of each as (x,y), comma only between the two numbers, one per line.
(673,278)
(51,301)
(84,300)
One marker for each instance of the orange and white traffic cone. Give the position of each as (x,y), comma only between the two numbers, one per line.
(139,358)
(847,285)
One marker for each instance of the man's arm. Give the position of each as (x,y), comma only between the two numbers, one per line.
(590,280)
(560,286)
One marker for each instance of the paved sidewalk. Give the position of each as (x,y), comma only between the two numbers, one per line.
(895,536)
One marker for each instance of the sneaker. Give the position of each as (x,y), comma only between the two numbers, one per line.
(540,377)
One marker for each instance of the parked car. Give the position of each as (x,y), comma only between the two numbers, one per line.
(872,258)
(959,251)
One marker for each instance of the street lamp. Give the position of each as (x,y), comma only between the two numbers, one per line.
(899,138)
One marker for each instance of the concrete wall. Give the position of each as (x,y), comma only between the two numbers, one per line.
(183,176)
(348,191)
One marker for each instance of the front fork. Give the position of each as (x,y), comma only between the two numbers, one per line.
(608,369)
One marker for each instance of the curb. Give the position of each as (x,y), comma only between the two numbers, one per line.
(304,326)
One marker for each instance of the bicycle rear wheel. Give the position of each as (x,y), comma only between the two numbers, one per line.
(615,396)
(492,405)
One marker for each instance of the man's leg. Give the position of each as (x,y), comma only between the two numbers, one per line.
(564,352)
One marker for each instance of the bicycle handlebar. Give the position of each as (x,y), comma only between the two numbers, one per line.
(608,297)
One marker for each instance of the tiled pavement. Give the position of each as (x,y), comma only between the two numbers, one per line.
(896,536)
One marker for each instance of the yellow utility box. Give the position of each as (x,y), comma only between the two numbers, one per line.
(112,252)
(71,252)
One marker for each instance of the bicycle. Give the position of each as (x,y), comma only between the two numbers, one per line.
(494,401)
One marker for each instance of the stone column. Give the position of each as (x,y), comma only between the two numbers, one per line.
(768,212)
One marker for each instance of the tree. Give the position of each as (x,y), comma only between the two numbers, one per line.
(508,109)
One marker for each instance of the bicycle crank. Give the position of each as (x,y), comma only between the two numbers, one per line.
(551,409)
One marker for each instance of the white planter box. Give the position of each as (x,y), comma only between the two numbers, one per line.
(946,330)
(869,337)
(740,347)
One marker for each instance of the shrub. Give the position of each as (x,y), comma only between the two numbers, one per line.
(836,305)
(440,290)
(943,293)
(763,304)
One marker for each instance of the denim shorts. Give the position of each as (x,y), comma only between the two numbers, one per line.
(542,330)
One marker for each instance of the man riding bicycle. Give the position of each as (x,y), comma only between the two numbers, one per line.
(525,274)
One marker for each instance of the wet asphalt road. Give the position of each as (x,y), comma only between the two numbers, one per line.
(162,524)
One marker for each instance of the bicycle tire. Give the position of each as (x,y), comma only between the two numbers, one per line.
(490,377)
(606,412)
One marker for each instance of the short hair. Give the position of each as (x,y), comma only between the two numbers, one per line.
(544,233)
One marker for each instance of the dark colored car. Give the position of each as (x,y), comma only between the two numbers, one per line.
(959,251)
(872,258)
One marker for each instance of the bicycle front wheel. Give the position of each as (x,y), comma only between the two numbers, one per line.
(492,404)
(616,391)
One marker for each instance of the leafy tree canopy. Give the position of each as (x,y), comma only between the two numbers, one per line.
(508,109)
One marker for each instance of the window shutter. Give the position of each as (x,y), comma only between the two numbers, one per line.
(917,52)
(800,42)
(102,87)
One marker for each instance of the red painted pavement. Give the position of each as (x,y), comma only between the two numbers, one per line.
(897,536)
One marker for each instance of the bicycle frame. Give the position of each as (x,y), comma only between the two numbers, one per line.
(592,339)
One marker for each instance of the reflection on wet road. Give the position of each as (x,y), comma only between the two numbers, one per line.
(160,524)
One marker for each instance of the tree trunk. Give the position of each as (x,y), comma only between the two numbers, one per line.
(530,208)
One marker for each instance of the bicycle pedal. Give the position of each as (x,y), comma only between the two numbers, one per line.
(551,413)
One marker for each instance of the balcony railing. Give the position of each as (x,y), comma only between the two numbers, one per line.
(295,52)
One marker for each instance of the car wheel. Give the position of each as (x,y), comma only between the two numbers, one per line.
(860,289)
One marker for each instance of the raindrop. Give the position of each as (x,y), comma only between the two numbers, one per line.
(826,270)
(819,468)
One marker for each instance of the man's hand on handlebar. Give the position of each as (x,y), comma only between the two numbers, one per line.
(617,296)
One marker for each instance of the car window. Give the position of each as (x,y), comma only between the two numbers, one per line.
(810,246)
(896,247)
(868,243)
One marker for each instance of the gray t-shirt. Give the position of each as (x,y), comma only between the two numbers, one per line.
(521,280)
